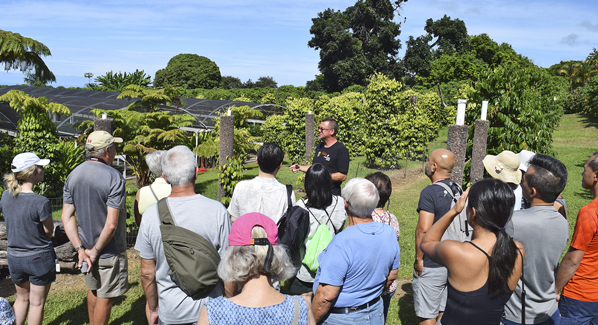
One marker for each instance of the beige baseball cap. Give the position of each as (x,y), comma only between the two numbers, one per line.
(101,139)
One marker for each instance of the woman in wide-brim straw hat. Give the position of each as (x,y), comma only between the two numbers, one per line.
(29,226)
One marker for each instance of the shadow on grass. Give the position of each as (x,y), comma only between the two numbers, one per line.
(202,186)
(585,194)
(135,315)
(76,315)
(406,311)
(589,120)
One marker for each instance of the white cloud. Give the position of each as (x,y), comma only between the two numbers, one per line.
(589,26)
(570,39)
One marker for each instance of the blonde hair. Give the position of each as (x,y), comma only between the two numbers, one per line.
(13,181)
(241,263)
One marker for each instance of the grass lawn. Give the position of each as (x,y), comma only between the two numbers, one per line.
(574,142)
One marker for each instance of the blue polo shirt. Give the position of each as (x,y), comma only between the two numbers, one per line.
(358,260)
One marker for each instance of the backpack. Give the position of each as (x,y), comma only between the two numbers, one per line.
(192,259)
(319,241)
(293,228)
(459,229)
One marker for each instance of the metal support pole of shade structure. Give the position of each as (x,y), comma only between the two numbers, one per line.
(227,136)
(310,125)
(480,141)
(457,142)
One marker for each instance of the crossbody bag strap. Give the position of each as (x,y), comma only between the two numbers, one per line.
(154,193)
(289,191)
(296,317)
(523,293)
(164,213)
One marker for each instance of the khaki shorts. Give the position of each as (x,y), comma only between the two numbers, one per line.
(109,276)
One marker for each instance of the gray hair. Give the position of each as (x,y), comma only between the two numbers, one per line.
(90,150)
(241,263)
(154,162)
(178,166)
(361,196)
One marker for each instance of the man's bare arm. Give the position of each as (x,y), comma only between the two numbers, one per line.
(338,177)
(106,234)
(426,220)
(324,298)
(150,289)
(567,269)
(69,223)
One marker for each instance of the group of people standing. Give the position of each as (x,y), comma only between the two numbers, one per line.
(505,271)
(508,271)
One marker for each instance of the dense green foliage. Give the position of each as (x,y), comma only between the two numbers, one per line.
(356,43)
(277,96)
(6,145)
(38,134)
(189,71)
(525,105)
(400,124)
(150,100)
(25,54)
(113,81)
(143,133)
(230,174)
(591,106)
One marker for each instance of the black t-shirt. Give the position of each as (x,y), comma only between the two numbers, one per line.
(335,159)
(434,199)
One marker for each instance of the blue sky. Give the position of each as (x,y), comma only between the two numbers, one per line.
(249,39)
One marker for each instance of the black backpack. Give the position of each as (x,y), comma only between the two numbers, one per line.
(293,228)
(192,259)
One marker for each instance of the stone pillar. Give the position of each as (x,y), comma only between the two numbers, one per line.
(310,125)
(480,140)
(227,136)
(103,124)
(457,144)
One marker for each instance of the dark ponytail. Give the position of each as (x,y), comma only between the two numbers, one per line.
(493,201)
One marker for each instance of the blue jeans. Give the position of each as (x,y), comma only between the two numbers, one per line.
(386,302)
(555,319)
(577,312)
(373,315)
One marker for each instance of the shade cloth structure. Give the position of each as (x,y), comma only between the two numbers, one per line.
(82,102)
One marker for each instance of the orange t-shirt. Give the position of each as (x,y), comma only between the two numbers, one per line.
(584,284)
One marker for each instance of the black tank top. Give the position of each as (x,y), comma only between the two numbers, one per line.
(474,307)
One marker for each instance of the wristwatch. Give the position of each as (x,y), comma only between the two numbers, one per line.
(79,248)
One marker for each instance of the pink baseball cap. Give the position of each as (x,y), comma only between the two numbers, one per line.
(240,231)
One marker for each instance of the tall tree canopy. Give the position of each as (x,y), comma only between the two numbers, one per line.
(446,35)
(25,54)
(189,71)
(356,43)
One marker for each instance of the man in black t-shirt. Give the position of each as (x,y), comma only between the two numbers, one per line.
(331,153)
(430,278)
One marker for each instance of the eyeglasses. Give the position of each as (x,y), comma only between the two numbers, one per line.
(320,129)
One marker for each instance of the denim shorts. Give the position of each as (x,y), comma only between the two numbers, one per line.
(577,312)
(39,269)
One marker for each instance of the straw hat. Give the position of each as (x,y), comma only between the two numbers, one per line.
(504,166)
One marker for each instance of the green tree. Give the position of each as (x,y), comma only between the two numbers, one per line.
(584,72)
(38,134)
(230,82)
(266,82)
(524,107)
(150,100)
(399,123)
(455,67)
(112,81)
(189,71)
(444,36)
(494,54)
(144,132)
(356,43)
(25,54)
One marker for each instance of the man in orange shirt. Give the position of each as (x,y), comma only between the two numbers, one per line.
(578,274)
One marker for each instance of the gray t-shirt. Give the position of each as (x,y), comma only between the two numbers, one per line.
(92,187)
(199,214)
(264,195)
(337,214)
(544,234)
(24,215)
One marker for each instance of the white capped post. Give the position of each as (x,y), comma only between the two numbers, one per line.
(461,111)
(484,109)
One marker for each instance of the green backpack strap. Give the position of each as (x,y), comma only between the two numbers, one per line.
(164,213)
